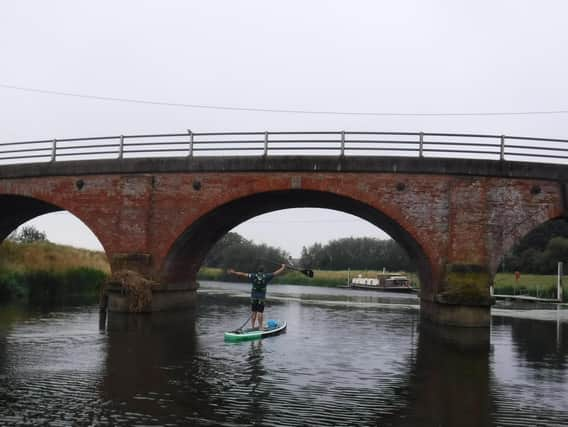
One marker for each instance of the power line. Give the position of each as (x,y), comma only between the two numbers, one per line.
(281,110)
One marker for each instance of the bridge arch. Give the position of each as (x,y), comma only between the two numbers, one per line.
(187,253)
(18,209)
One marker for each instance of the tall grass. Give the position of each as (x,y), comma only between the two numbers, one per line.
(47,256)
(43,271)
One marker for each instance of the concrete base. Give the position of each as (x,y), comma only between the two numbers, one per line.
(456,315)
(161,300)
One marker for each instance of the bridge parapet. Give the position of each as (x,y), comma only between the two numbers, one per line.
(273,144)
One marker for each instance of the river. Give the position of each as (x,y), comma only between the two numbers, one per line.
(349,357)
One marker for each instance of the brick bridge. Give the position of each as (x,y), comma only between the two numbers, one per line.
(456,218)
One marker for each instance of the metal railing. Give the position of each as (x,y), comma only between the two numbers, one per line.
(326,143)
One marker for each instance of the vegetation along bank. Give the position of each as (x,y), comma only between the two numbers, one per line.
(43,271)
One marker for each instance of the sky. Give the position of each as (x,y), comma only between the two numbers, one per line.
(408,57)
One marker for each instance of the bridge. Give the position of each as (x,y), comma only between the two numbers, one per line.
(157,203)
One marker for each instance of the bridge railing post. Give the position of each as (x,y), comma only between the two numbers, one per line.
(502,155)
(265,143)
(342,143)
(421,145)
(54,151)
(121,147)
(190,151)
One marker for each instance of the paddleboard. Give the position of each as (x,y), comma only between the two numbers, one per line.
(272,328)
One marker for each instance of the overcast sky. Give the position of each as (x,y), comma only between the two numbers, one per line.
(372,56)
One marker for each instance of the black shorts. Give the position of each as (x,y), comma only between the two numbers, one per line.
(257,305)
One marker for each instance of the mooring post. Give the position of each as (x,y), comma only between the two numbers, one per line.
(559,281)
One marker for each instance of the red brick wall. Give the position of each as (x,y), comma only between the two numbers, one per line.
(444,220)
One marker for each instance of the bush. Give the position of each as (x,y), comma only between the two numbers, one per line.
(44,285)
(11,287)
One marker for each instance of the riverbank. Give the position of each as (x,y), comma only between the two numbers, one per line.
(43,271)
(543,286)
(321,277)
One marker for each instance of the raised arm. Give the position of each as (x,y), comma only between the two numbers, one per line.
(280,270)
(237,273)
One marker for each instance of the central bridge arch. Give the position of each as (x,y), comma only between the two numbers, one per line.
(191,247)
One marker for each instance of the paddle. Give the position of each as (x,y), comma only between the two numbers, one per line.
(240,328)
(306,272)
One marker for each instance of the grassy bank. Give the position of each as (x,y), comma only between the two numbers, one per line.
(45,271)
(321,277)
(543,286)
(529,284)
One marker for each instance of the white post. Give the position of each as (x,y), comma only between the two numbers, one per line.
(421,145)
(559,282)
(558,328)
(342,143)
(265,143)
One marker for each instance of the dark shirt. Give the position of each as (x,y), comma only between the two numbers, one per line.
(259,282)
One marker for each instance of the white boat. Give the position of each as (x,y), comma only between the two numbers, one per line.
(383,282)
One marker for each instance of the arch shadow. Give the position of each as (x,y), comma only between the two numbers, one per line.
(16,210)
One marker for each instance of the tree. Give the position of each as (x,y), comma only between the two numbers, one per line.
(233,250)
(540,250)
(361,253)
(30,234)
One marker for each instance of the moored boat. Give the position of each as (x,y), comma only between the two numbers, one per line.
(383,282)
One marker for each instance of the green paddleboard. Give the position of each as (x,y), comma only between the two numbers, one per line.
(255,334)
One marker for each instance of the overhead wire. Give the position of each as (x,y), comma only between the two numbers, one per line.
(281,110)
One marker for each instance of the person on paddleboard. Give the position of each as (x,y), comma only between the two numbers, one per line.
(259,282)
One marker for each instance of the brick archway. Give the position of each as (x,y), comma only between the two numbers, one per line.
(191,247)
(160,216)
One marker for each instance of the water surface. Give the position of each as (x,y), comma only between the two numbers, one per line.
(349,357)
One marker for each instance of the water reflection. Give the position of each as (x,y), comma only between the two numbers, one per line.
(449,382)
(145,354)
(530,378)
